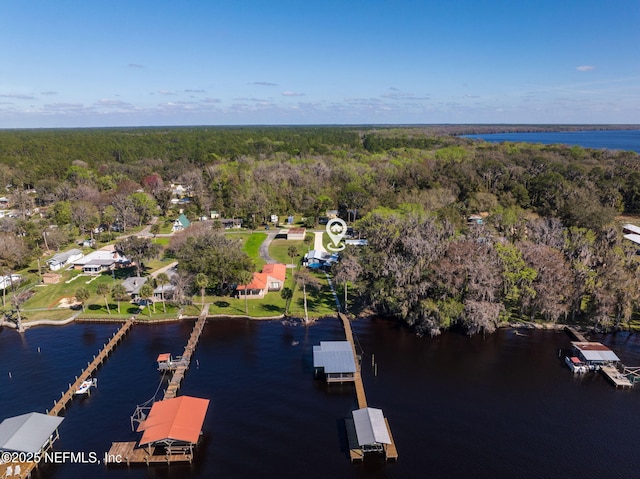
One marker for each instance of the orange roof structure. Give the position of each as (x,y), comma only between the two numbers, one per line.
(260,280)
(164,357)
(174,420)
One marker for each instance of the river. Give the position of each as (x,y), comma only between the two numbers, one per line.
(459,407)
(611,139)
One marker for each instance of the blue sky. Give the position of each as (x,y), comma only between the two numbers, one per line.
(66,63)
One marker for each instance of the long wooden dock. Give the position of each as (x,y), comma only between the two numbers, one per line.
(615,377)
(577,336)
(26,468)
(178,374)
(92,366)
(355,453)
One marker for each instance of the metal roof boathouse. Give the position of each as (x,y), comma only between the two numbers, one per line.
(335,360)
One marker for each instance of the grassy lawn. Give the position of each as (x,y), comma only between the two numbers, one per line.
(278,250)
(251,246)
(319,303)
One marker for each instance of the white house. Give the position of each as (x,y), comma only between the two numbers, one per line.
(60,260)
(101,260)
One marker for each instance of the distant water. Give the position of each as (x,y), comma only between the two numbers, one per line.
(503,406)
(628,140)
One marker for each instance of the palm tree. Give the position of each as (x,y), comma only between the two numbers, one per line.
(245,277)
(306,280)
(202,281)
(292,251)
(161,280)
(103,290)
(119,293)
(146,293)
(82,295)
(286,294)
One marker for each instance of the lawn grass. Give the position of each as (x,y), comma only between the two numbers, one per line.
(279,250)
(252,248)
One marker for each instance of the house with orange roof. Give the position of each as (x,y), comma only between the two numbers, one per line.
(271,278)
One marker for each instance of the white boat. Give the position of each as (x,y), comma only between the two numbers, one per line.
(576,365)
(85,386)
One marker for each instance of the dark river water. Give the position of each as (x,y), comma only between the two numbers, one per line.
(458,407)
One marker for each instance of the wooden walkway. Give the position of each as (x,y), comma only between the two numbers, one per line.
(616,377)
(126,453)
(92,366)
(60,405)
(573,332)
(355,453)
(178,375)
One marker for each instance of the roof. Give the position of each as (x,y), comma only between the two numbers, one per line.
(64,256)
(28,432)
(260,280)
(133,284)
(334,357)
(371,428)
(164,357)
(631,228)
(275,270)
(101,254)
(178,419)
(182,219)
(633,237)
(296,231)
(593,351)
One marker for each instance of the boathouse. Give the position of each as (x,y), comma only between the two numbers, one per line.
(594,354)
(29,433)
(334,359)
(368,430)
(174,424)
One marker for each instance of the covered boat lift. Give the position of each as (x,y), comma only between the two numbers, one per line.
(368,432)
(335,359)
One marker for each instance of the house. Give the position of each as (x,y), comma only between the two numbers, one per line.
(181,224)
(334,359)
(295,233)
(9,280)
(104,259)
(475,220)
(231,223)
(60,260)
(632,233)
(271,278)
(166,291)
(133,284)
(214,214)
(274,219)
(315,259)
(331,214)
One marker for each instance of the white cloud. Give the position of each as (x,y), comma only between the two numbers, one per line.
(585,68)
(291,93)
(263,83)
(135,65)
(17,96)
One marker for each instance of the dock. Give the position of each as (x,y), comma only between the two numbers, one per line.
(26,468)
(185,361)
(92,366)
(355,452)
(126,452)
(577,336)
(615,377)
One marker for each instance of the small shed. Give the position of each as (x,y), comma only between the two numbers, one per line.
(175,422)
(29,433)
(335,360)
(296,234)
(51,278)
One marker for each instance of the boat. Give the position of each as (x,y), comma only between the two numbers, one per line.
(576,365)
(85,386)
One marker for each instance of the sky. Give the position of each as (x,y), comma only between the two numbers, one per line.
(101,63)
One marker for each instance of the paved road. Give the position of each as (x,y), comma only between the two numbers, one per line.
(264,248)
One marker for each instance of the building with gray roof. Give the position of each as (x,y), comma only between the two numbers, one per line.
(30,433)
(335,360)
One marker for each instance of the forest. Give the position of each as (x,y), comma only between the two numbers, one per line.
(460,232)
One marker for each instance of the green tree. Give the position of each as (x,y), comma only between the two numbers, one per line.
(245,277)
(103,290)
(286,294)
(119,293)
(202,281)
(82,295)
(162,279)
(292,251)
(146,293)
(306,280)
(137,249)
